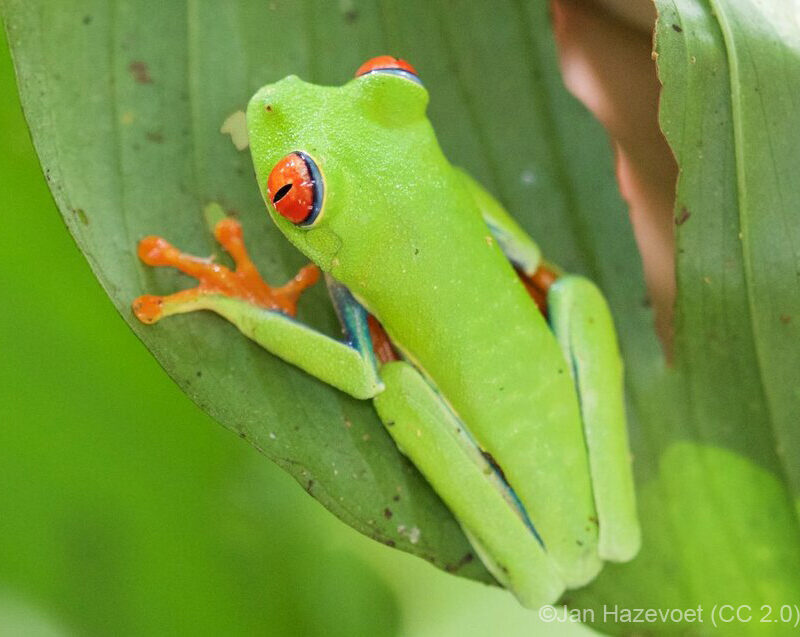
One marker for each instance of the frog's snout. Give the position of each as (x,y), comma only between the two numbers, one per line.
(268,97)
(281,86)
(289,80)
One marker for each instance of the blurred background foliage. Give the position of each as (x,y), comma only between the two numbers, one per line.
(120,520)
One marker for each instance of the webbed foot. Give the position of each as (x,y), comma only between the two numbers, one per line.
(243,283)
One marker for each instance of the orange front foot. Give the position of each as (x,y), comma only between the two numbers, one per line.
(244,282)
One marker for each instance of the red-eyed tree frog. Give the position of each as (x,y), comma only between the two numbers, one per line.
(496,374)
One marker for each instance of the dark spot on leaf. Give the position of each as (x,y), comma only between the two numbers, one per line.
(242,435)
(79,212)
(683,216)
(387,513)
(785,318)
(389,542)
(466,559)
(351,16)
(155,137)
(578,542)
(396,498)
(309,485)
(390,423)
(416,250)
(268,108)
(199,373)
(140,72)
(87,20)
(677,28)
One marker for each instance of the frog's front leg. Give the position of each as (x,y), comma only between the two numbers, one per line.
(261,312)
(582,323)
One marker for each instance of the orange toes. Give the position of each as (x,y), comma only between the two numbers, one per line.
(244,282)
(156,251)
(148,308)
(307,276)
(228,230)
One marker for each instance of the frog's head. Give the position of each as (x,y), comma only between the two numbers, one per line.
(330,160)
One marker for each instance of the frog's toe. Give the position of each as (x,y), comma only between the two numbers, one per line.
(150,308)
(147,308)
(215,280)
(156,251)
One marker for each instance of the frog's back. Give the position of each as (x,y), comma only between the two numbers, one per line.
(459,312)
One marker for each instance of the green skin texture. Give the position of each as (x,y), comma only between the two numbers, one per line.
(426,250)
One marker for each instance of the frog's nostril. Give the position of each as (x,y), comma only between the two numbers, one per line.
(282,192)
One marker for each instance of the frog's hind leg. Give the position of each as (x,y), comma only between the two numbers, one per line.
(427,431)
(521,251)
(438,443)
(583,326)
(261,312)
(515,243)
(581,321)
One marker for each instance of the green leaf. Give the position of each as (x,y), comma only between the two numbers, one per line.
(716,445)
(125,101)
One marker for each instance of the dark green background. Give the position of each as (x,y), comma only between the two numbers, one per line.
(125,510)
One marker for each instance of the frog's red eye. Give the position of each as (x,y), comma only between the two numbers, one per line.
(295,188)
(390,65)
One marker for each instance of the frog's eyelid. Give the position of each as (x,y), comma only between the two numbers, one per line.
(319,189)
(389,65)
(408,75)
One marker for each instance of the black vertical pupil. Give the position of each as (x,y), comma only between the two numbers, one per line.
(282,191)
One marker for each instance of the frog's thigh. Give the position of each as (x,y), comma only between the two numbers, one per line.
(515,243)
(434,439)
(584,328)
(332,361)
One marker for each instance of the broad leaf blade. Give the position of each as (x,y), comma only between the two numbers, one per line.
(125,101)
(763,45)
(714,451)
